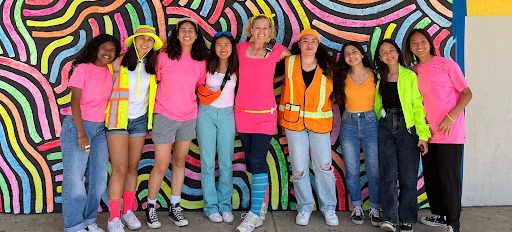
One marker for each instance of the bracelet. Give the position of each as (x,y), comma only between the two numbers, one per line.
(448,115)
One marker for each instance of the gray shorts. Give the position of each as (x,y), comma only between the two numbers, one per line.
(167,131)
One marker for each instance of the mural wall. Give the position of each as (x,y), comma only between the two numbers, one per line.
(39,39)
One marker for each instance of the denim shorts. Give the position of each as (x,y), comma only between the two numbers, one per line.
(137,127)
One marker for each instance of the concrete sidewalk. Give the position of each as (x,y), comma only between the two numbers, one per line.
(474,219)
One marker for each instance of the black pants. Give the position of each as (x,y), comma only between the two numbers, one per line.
(441,170)
(255,147)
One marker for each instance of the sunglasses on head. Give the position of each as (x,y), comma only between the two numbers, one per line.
(222,33)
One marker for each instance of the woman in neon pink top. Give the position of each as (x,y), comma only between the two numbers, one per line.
(180,69)
(256,109)
(445,95)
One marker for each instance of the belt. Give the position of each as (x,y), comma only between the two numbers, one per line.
(271,110)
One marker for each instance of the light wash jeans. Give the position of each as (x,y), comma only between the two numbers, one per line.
(216,134)
(303,146)
(80,201)
(361,129)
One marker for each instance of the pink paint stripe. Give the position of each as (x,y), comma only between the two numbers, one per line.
(65,111)
(48,11)
(47,88)
(64,78)
(439,39)
(148,147)
(293,20)
(122,31)
(41,113)
(341,191)
(420,183)
(358,23)
(232,20)
(94,27)
(59,178)
(433,29)
(217,12)
(191,14)
(13,183)
(12,32)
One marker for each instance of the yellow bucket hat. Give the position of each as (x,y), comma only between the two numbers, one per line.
(310,31)
(148,31)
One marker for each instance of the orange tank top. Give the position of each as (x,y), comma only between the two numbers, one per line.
(360,97)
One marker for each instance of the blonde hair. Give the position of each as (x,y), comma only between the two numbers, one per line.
(253,19)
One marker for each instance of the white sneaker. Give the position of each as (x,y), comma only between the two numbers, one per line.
(302,218)
(251,222)
(330,218)
(215,217)
(131,221)
(94,228)
(448,229)
(228,217)
(263,211)
(115,225)
(82,230)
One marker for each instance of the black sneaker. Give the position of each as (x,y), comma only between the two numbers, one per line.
(176,215)
(406,227)
(434,220)
(388,226)
(152,217)
(375,217)
(357,215)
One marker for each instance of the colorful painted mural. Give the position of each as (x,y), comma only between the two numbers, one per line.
(39,39)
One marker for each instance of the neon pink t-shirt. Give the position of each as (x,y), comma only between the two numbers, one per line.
(440,82)
(96,85)
(176,92)
(256,91)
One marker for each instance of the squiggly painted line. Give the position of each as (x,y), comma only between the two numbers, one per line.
(94,27)
(133,16)
(13,182)
(10,30)
(439,39)
(359,11)
(389,31)
(66,54)
(122,30)
(40,160)
(48,11)
(38,98)
(188,13)
(302,14)
(434,15)
(273,181)
(147,12)
(6,195)
(50,48)
(79,20)
(280,21)
(283,169)
(254,10)
(64,78)
(232,20)
(244,20)
(159,199)
(238,181)
(224,25)
(216,13)
(293,21)
(159,11)
(361,2)
(441,8)
(406,26)
(448,46)
(264,7)
(359,23)
(70,12)
(352,36)
(6,41)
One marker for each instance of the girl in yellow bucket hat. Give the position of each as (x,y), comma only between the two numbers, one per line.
(129,116)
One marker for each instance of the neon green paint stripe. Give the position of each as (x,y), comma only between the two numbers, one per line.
(6,194)
(423,23)
(133,16)
(21,27)
(54,156)
(108,25)
(195,4)
(283,168)
(375,39)
(27,111)
(223,24)
(159,198)
(50,48)
(274,181)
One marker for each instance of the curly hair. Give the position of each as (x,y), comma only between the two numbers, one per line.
(253,19)
(199,50)
(89,53)
(409,57)
(382,68)
(212,63)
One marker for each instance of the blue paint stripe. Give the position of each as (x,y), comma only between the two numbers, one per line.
(404,28)
(206,8)
(331,44)
(147,12)
(239,181)
(244,19)
(54,73)
(280,21)
(26,191)
(58,199)
(57,166)
(434,15)
(5,40)
(448,47)
(355,11)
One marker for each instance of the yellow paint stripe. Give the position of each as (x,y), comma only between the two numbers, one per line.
(65,99)
(254,10)
(50,48)
(60,20)
(274,180)
(264,7)
(389,31)
(108,25)
(302,14)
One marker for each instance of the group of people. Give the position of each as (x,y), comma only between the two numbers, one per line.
(186,89)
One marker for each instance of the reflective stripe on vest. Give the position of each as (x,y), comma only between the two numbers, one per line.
(307,114)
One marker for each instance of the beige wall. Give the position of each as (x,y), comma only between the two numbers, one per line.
(488,153)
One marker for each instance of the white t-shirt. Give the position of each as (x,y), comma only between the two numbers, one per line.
(227,97)
(138,103)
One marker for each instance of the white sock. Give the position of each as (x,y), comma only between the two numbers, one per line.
(175,199)
(152,201)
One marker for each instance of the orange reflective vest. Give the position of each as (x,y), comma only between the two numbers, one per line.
(305,108)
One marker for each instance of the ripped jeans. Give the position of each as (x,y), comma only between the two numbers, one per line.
(305,144)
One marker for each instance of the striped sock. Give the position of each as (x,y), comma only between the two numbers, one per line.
(259,183)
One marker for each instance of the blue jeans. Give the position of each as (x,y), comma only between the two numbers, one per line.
(399,159)
(80,201)
(360,129)
(216,135)
(255,147)
(303,146)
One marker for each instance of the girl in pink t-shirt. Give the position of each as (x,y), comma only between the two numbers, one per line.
(445,95)
(180,69)
(256,109)
(83,140)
